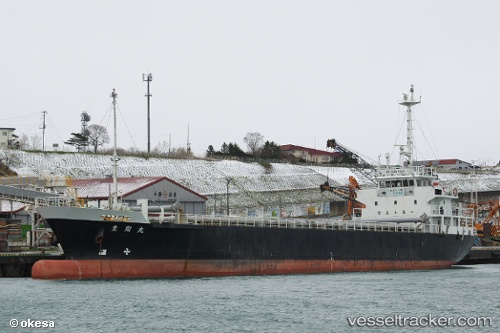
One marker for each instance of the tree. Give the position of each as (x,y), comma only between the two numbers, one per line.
(24,142)
(98,136)
(224,150)
(180,152)
(14,142)
(210,151)
(162,148)
(270,150)
(234,150)
(36,142)
(254,142)
(79,141)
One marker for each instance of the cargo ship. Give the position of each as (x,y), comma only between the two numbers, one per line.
(408,221)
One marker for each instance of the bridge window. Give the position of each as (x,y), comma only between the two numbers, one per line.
(415,201)
(395,202)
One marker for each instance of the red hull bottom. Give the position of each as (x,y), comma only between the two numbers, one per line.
(96,269)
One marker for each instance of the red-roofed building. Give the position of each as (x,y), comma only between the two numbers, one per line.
(446,164)
(158,190)
(310,155)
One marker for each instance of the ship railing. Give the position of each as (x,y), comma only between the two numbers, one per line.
(415,170)
(300,223)
(56,201)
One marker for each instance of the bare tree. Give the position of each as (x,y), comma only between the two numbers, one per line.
(98,136)
(180,152)
(254,142)
(36,142)
(162,148)
(24,142)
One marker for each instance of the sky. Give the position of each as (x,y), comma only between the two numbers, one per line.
(297,72)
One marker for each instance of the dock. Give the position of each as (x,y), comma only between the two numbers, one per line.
(18,264)
(482,255)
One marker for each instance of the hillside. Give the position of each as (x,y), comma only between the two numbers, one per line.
(252,185)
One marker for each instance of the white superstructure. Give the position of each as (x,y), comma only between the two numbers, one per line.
(413,194)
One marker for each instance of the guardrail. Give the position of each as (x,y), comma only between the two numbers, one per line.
(56,201)
(326,224)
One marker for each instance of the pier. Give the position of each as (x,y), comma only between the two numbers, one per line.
(18,264)
(482,255)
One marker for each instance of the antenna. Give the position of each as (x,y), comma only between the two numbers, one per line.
(44,113)
(115,157)
(409,102)
(148,78)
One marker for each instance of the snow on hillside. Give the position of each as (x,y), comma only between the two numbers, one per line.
(251,184)
(205,177)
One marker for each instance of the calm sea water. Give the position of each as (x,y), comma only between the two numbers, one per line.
(297,303)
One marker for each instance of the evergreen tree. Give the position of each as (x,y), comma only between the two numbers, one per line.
(79,141)
(224,149)
(234,150)
(271,150)
(210,151)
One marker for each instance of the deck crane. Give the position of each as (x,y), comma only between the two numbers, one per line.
(357,162)
(348,192)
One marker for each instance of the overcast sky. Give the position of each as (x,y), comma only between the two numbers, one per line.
(298,72)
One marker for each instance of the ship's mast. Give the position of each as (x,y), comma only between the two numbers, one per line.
(409,102)
(114,203)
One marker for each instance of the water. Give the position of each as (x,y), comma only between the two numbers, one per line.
(293,303)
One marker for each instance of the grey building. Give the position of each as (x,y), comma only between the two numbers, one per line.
(158,191)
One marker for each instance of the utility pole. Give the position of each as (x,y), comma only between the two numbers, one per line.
(228,181)
(148,78)
(44,113)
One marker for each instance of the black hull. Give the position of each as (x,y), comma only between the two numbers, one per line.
(194,250)
(85,239)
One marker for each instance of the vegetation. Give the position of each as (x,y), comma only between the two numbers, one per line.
(79,141)
(97,136)
(254,142)
(14,142)
(231,149)
(255,145)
